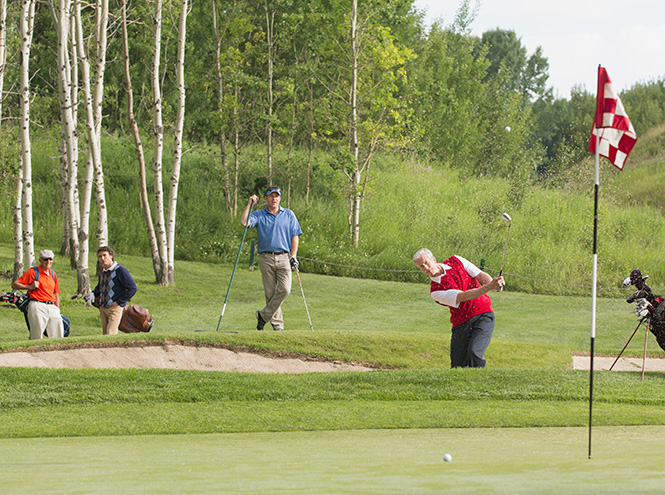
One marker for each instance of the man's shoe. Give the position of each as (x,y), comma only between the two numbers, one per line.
(278,329)
(260,322)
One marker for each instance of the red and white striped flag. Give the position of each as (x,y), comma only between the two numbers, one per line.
(611,124)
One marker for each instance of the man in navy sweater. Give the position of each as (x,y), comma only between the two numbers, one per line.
(114,290)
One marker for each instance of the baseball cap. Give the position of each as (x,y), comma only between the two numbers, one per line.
(46,254)
(273,189)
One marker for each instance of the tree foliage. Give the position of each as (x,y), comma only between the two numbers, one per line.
(277,75)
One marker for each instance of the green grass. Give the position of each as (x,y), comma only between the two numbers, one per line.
(392,326)
(497,460)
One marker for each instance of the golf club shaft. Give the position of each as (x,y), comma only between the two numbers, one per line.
(304,301)
(234,268)
(503,259)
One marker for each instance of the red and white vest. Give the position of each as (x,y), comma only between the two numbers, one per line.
(456,278)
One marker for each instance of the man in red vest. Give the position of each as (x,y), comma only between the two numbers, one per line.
(456,283)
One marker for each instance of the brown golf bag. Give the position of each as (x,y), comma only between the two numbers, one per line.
(135,319)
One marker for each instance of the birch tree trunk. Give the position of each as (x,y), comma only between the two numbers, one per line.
(67,89)
(355,176)
(26,25)
(177,141)
(138,145)
(3,50)
(219,38)
(101,30)
(18,221)
(93,160)
(270,39)
(18,189)
(158,148)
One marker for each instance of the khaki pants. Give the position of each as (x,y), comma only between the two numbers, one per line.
(276,275)
(110,319)
(42,316)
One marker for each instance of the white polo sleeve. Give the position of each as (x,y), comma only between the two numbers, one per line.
(447,297)
(470,268)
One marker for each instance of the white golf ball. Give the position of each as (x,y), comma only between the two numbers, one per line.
(508,128)
(447,457)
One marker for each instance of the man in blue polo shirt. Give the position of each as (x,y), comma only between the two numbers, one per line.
(278,231)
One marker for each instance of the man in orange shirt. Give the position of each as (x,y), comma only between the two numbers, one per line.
(44,294)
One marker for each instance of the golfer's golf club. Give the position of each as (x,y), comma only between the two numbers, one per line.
(507,218)
(303,300)
(234,268)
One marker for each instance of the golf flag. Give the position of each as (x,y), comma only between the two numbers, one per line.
(611,125)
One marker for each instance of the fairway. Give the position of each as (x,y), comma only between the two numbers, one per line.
(489,460)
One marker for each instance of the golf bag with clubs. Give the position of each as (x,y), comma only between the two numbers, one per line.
(21,300)
(647,305)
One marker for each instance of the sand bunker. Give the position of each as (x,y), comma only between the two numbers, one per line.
(170,356)
(623,364)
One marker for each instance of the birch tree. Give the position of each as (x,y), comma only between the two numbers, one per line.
(362,72)
(3,51)
(164,234)
(177,142)
(93,161)
(68,38)
(158,146)
(270,46)
(26,25)
(138,145)
(100,45)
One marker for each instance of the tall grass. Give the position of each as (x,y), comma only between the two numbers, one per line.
(410,203)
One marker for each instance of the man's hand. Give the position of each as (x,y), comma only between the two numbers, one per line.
(294,263)
(89,299)
(496,284)
(34,285)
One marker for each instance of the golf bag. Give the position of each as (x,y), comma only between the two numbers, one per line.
(135,319)
(21,301)
(647,305)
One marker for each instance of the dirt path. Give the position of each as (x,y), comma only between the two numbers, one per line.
(171,356)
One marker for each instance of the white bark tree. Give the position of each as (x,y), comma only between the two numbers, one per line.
(158,147)
(65,24)
(270,45)
(100,44)
(3,51)
(26,25)
(355,198)
(163,249)
(138,145)
(93,161)
(177,142)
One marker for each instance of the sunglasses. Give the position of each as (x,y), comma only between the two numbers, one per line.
(47,259)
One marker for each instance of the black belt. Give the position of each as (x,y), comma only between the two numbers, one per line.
(270,252)
(43,302)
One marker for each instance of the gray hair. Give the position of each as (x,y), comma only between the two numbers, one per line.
(422,252)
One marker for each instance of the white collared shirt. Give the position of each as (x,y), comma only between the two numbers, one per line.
(112,267)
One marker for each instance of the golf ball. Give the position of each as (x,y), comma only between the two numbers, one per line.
(508,128)
(447,457)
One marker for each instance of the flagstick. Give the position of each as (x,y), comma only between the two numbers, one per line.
(594,283)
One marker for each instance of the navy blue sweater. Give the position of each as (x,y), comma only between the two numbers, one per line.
(117,285)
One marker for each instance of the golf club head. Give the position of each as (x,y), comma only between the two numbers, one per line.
(506,217)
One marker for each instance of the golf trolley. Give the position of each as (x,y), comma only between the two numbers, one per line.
(649,307)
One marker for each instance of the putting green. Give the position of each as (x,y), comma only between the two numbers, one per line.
(492,460)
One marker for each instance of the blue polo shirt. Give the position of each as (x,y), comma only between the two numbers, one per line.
(275,231)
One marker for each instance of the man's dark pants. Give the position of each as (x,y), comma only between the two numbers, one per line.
(470,340)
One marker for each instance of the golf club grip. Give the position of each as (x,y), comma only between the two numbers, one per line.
(500,275)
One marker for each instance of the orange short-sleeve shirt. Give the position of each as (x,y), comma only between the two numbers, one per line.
(48,286)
